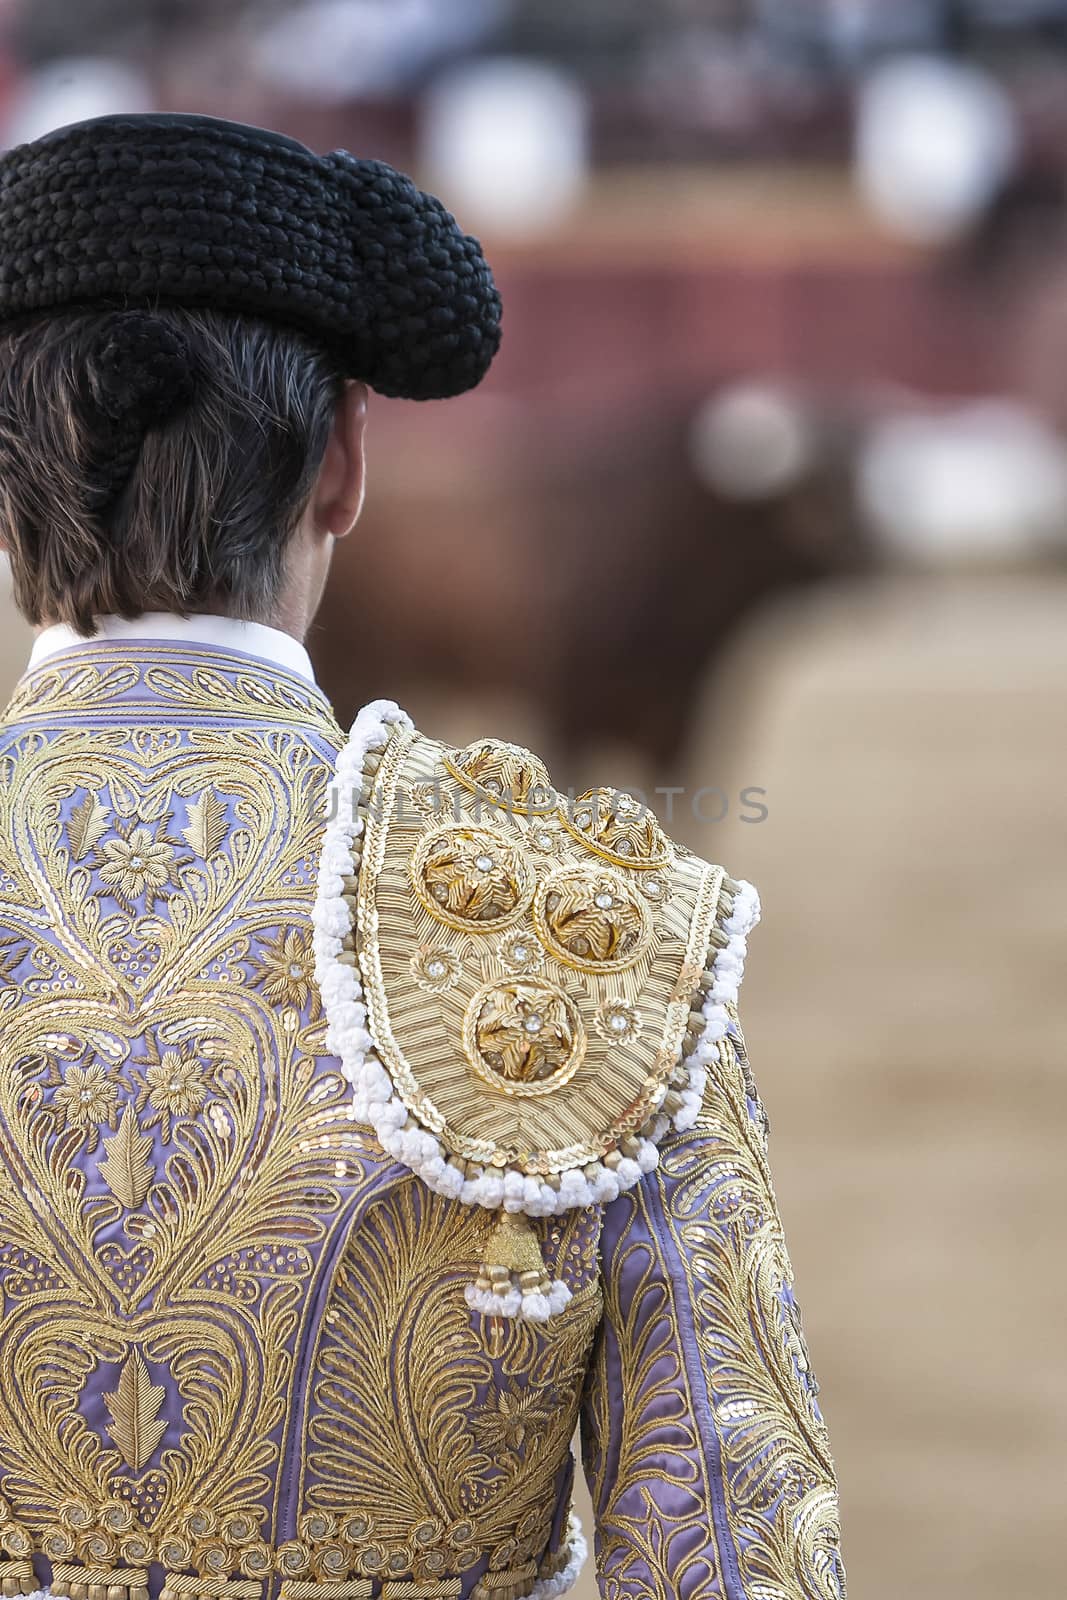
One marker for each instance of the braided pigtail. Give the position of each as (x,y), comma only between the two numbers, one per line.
(142,377)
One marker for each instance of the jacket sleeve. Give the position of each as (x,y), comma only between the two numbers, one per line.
(704,1446)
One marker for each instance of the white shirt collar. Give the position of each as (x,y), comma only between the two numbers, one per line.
(226,633)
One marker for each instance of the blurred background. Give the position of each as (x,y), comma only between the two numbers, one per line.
(768,491)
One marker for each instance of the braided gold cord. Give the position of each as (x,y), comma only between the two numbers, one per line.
(194,1586)
(433,1589)
(308,1589)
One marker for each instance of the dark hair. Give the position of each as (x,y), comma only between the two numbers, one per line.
(156,461)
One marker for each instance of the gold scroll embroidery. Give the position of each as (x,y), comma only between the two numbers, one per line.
(655,1435)
(174,1007)
(714,1195)
(198,682)
(470,1436)
(777,1468)
(171,999)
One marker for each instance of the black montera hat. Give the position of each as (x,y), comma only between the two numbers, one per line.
(133,212)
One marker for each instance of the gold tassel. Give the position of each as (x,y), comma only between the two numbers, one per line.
(512,1262)
(17,1578)
(80,1582)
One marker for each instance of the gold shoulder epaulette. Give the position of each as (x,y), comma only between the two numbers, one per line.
(523,990)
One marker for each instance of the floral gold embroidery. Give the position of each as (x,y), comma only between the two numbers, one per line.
(503,775)
(619,828)
(596,921)
(12,955)
(105,680)
(86,1098)
(513,1416)
(287,969)
(137,865)
(523,1034)
(470,878)
(434,968)
(617,1020)
(173,1085)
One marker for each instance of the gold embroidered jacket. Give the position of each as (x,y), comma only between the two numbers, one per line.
(356,1141)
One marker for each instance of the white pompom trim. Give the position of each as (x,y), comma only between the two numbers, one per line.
(727,970)
(374,1099)
(339,985)
(527,1307)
